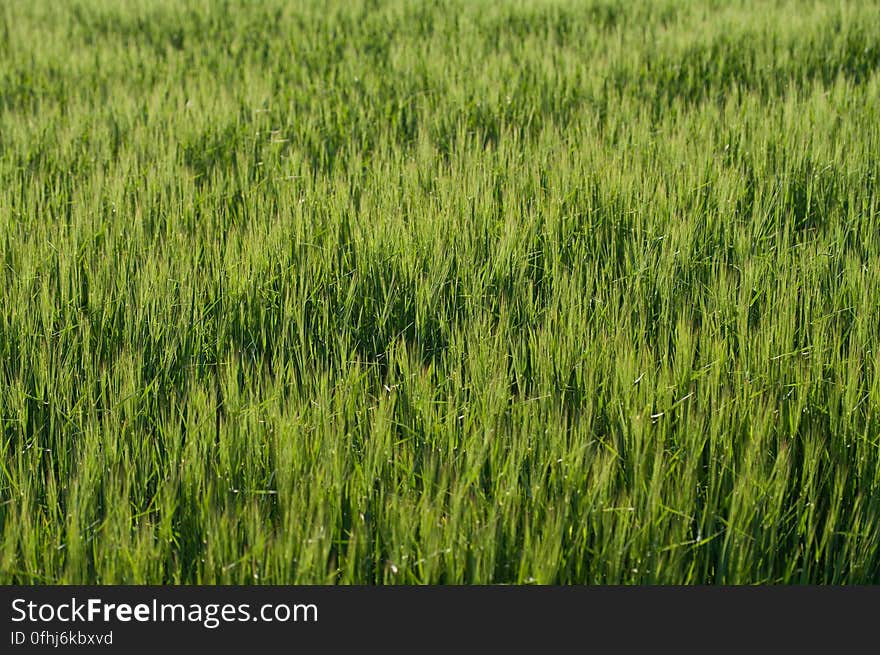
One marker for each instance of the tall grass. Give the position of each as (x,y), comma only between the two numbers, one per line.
(462,292)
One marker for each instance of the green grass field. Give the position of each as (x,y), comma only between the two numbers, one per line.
(395,292)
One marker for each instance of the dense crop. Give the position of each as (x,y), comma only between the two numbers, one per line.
(461,292)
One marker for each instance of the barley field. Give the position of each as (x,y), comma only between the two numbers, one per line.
(459,292)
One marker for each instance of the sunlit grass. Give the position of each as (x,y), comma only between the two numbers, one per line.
(466,292)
